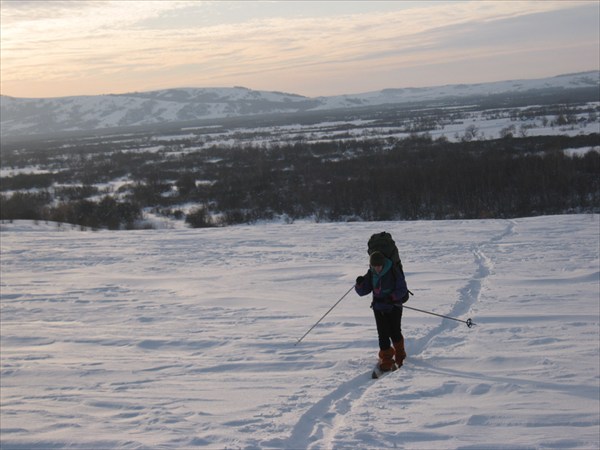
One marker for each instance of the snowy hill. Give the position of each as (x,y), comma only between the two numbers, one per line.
(185,338)
(24,116)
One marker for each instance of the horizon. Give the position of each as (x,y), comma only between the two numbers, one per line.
(294,93)
(312,49)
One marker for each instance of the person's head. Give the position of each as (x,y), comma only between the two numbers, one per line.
(377,261)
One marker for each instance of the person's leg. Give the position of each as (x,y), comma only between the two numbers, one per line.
(386,351)
(383,330)
(396,335)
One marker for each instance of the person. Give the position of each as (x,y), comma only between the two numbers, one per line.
(387,284)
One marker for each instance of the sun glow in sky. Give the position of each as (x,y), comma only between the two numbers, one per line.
(312,48)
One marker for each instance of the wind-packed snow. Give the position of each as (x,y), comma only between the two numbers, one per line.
(186,338)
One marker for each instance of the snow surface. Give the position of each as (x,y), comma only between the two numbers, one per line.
(186,338)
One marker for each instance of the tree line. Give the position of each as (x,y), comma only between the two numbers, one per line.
(416,178)
(379,179)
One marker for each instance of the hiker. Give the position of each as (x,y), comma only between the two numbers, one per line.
(387,283)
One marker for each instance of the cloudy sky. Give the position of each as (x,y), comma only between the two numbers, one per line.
(60,48)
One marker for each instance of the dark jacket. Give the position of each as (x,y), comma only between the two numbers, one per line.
(388,287)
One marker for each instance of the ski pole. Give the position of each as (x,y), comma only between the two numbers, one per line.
(469,322)
(319,321)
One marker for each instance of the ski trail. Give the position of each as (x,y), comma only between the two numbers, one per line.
(469,294)
(319,426)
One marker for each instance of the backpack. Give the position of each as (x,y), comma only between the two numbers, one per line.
(383,242)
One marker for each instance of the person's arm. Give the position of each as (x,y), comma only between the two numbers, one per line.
(364,285)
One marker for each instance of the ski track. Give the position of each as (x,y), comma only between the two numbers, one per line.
(469,294)
(320,425)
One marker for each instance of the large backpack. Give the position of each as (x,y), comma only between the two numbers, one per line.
(383,242)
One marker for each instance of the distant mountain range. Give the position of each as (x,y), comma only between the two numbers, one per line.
(30,116)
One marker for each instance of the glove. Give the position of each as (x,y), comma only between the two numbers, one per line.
(360,280)
(405,298)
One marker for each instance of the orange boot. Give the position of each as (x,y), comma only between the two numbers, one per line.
(400,352)
(386,360)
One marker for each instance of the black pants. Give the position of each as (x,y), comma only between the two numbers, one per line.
(389,327)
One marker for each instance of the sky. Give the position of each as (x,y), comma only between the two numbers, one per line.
(54,48)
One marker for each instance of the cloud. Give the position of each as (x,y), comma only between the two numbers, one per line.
(217,43)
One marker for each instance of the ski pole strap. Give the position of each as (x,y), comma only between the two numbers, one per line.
(468,322)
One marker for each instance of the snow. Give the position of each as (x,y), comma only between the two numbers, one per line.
(185,338)
(24,116)
(403,95)
(581,151)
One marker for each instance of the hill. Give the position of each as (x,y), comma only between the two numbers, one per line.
(30,116)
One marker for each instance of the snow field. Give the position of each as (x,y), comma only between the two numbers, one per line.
(185,338)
